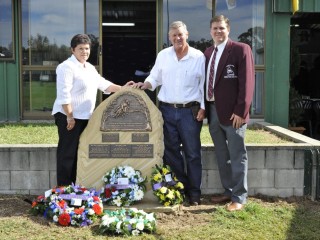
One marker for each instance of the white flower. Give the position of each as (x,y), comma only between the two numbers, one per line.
(134,210)
(135,187)
(129,172)
(138,195)
(106,220)
(55,218)
(132,221)
(91,211)
(150,217)
(117,201)
(135,232)
(73,222)
(140,226)
(69,210)
(119,227)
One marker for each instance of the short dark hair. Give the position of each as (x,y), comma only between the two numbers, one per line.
(80,39)
(220,18)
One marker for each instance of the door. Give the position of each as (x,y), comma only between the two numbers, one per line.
(305,72)
(128,40)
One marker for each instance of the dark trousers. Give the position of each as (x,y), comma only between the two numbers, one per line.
(67,151)
(182,130)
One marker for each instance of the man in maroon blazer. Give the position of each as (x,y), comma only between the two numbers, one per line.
(229,91)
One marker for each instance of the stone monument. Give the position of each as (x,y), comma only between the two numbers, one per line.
(125,129)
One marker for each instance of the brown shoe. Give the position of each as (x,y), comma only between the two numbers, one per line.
(220,199)
(234,206)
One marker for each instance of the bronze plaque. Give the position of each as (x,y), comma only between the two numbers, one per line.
(128,112)
(110,137)
(140,137)
(99,151)
(120,150)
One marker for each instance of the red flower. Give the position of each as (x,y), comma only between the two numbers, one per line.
(95,198)
(34,204)
(79,211)
(97,209)
(64,219)
(62,203)
(40,198)
(108,192)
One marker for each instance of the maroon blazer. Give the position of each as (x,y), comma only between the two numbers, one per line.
(234,84)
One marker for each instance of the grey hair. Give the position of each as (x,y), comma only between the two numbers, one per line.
(176,25)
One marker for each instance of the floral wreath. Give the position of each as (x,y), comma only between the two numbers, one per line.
(127,222)
(124,185)
(166,187)
(69,205)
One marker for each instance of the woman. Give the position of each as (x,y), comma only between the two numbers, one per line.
(77,84)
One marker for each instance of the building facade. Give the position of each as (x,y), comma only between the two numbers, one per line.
(126,34)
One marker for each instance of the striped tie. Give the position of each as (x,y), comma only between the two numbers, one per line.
(210,87)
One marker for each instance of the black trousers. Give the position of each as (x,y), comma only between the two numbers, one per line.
(67,151)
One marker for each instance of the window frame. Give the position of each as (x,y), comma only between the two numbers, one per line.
(11,58)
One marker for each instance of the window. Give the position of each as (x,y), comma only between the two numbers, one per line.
(47,28)
(247,25)
(195,14)
(6,30)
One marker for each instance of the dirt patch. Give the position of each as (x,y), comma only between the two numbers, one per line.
(187,217)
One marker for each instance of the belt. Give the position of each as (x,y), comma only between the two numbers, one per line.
(180,105)
(212,102)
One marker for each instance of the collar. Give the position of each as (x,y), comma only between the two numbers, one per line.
(191,52)
(221,46)
(75,60)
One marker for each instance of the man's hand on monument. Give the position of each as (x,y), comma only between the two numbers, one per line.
(142,85)
(129,84)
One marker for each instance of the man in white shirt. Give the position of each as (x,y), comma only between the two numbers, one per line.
(180,71)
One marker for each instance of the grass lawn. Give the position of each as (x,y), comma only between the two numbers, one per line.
(261,219)
(46,133)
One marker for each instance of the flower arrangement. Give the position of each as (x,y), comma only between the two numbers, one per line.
(69,206)
(166,187)
(124,185)
(127,222)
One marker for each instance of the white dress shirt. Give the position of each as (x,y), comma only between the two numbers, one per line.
(77,84)
(181,81)
(218,56)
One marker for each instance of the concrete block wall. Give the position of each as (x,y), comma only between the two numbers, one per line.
(273,170)
(27,169)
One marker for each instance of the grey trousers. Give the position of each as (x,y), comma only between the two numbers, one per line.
(231,157)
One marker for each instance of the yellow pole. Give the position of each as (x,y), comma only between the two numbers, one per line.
(295,6)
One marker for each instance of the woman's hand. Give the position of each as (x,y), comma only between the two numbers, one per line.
(70,123)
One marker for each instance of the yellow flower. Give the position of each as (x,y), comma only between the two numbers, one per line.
(170,195)
(162,197)
(179,185)
(178,194)
(157,177)
(166,204)
(163,189)
(165,171)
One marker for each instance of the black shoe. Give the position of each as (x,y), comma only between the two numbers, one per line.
(194,201)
